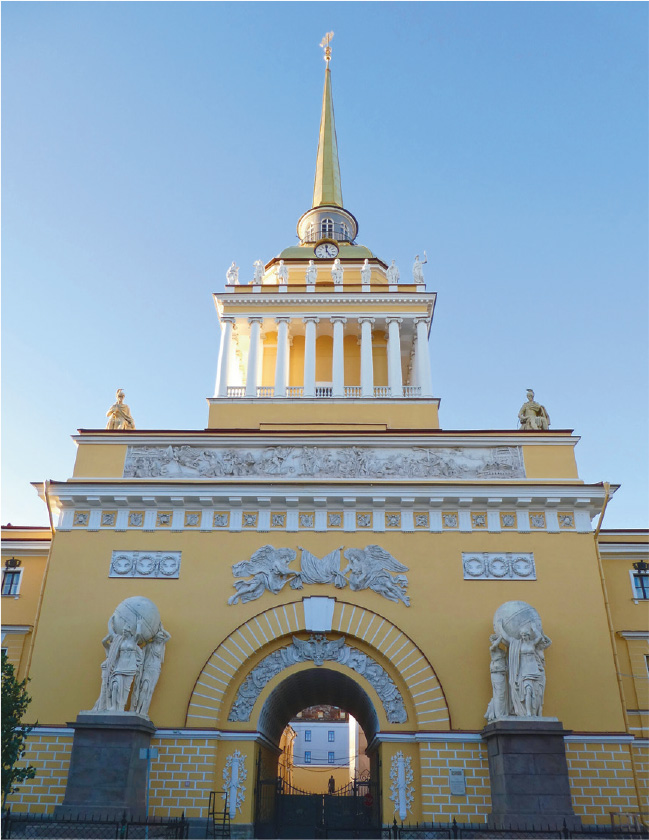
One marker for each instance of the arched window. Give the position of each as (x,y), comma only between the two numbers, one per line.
(327,229)
(345,232)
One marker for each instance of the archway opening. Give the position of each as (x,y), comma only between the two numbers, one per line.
(283,809)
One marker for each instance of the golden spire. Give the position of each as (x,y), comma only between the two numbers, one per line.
(327,189)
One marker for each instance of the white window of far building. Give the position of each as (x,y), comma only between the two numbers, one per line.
(331,736)
(331,758)
(307,734)
(307,756)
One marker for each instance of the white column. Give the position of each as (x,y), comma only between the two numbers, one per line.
(223,366)
(367,364)
(338,361)
(423,359)
(395,379)
(253,357)
(260,358)
(281,363)
(309,355)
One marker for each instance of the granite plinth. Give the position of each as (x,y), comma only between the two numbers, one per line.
(528,772)
(107,775)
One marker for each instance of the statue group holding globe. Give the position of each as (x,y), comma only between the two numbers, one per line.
(135,647)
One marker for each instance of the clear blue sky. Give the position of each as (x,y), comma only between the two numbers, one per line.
(147,145)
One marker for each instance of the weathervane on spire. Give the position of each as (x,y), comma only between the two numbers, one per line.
(326,41)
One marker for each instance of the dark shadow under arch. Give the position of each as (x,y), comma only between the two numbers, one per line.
(310,688)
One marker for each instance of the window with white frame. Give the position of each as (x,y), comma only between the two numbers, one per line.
(640,583)
(327,228)
(331,736)
(11,581)
(307,756)
(331,758)
(307,734)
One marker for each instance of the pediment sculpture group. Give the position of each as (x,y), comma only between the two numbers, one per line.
(517,662)
(135,649)
(369,568)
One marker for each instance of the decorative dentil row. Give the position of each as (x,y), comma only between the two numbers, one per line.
(318,649)
(324,461)
(369,568)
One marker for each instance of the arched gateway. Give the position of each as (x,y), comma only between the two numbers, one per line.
(313,651)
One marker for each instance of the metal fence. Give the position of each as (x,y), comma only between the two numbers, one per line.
(82,827)
(449,831)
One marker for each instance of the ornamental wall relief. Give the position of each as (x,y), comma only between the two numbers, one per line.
(318,649)
(369,568)
(460,462)
(402,791)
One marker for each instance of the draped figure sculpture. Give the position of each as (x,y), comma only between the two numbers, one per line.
(533,417)
(134,648)
(499,705)
(119,414)
(517,662)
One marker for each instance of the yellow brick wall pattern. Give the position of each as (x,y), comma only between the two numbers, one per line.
(50,755)
(601,780)
(438,805)
(182,776)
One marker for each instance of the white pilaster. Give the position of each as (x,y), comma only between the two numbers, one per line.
(423,359)
(309,355)
(338,362)
(281,364)
(395,379)
(367,364)
(253,356)
(223,366)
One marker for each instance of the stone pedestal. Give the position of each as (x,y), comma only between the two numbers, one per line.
(107,775)
(529,774)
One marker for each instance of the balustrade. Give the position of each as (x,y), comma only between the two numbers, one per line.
(326,391)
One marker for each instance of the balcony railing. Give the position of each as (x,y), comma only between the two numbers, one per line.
(326,392)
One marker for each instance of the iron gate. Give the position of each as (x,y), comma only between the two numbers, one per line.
(282,810)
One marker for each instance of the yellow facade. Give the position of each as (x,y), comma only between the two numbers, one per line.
(323,436)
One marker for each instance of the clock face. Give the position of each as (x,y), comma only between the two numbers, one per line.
(326,249)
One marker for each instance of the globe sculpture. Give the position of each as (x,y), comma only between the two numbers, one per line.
(512,616)
(135,612)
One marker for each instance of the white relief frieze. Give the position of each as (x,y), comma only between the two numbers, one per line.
(318,649)
(324,461)
(498,566)
(370,568)
(145,564)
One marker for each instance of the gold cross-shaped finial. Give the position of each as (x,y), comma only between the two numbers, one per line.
(326,42)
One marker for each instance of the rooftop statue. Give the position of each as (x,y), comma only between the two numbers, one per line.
(311,273)
(281,273)
(366,273)
(232,275)
(337,272)
(393,274)
(119,414)
(258,276)
(533,416)
(417,269)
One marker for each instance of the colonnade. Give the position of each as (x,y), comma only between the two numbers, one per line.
(421,372)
